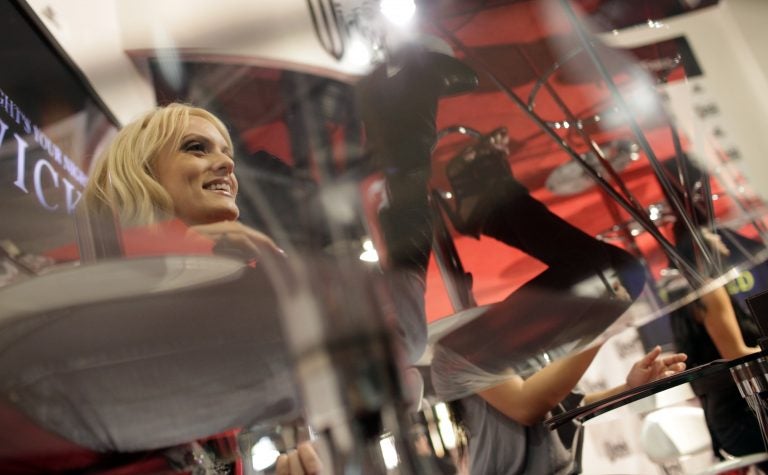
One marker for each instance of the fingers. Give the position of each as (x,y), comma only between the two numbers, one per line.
(300,461)
(282,467)
(310,461)
(673,370)
(669,360)
(677,367)
(289,464)
(676,358)
(671,365)
(651,356)
(653,366)
(294,462)
(235,236)
(260,240)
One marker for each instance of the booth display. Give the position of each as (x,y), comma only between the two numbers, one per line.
(463,194)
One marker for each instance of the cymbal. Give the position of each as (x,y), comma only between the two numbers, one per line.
(444,326)
(68,285)
(174,349)
(570,177)
(514,333)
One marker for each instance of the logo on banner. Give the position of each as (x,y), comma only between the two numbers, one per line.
(57,168)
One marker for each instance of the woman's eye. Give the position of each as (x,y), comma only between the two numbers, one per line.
(193,147)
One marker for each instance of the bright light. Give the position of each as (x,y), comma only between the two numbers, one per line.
(441,411)
(654,213)
(263,454)
(445,426)
(389,452)
(655,24)
(369,253)
(358,53)
(399,12)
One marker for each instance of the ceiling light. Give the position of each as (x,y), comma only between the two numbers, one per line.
(399,12)
(358,55)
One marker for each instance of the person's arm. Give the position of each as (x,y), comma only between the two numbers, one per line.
(719,319)
(527,401)
(649,368)
(235,236)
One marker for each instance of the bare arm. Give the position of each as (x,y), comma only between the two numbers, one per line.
(649,368)
(719,319)
(528,401)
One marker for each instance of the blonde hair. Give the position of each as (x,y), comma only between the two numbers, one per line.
(123,180)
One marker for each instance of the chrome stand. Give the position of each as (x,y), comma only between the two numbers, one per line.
(751,377)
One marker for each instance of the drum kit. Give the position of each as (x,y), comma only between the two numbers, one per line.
(144,354)
(139,354)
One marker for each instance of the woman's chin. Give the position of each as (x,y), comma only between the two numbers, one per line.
(210,217)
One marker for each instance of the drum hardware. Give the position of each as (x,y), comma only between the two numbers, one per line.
(622,197)
(570,177)
(751,376)
(658,213)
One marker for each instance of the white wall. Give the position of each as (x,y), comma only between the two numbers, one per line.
(107,38)
(89,32)
(728,42)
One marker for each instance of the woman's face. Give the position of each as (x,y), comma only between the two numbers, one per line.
(199,175)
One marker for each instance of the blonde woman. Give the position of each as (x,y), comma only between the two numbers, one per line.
(169,180)
(174,169)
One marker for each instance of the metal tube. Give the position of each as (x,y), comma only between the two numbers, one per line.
(634,126)
(690,273)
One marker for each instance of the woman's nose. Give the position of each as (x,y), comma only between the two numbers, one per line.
(224,164)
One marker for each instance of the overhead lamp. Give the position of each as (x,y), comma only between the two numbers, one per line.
(399,12)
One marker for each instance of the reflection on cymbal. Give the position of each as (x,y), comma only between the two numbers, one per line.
(445,325)
(513,333)
(175,349)
(570,178)
(66,286)
(658,213)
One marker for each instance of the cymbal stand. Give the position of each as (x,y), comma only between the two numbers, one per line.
(667,187)
(639,215)
(751,377)
(348,365)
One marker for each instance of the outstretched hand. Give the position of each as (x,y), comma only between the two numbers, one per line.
(301,461)
(653,366)
(235,238)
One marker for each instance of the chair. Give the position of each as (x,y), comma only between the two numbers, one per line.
(677,439)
